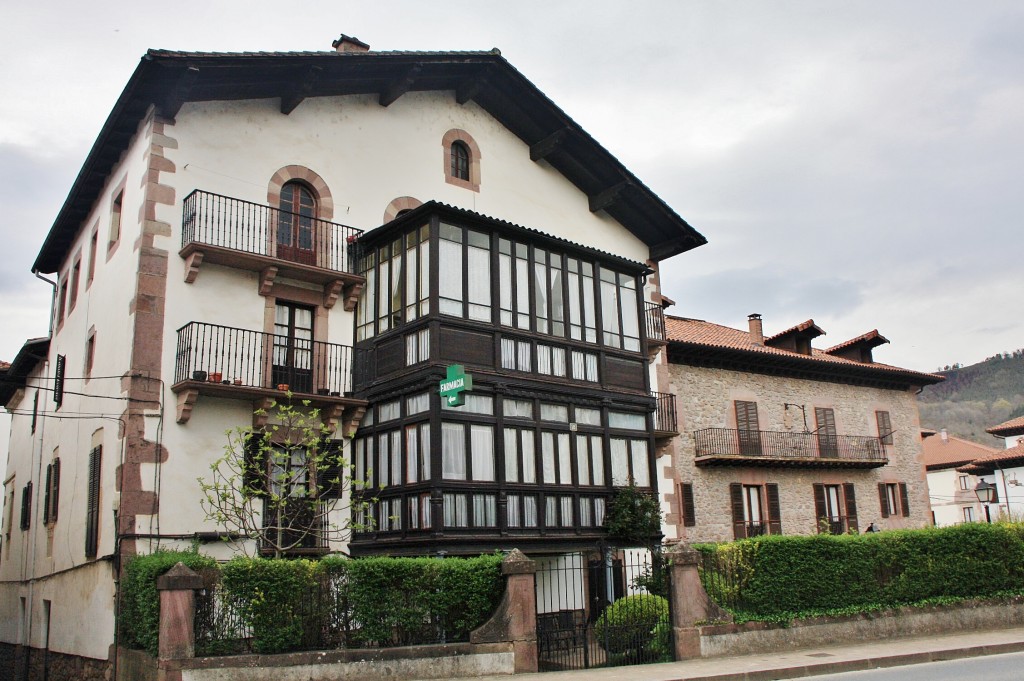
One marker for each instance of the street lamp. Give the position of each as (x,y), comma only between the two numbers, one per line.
(986,493)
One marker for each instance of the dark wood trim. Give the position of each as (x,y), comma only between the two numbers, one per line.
(180,93)
(399,86)
(609,196)
(303,90)
(548,145)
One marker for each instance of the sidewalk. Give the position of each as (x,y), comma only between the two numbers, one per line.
(804,662)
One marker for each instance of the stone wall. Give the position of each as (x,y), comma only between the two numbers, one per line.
(704,399)
(18,663)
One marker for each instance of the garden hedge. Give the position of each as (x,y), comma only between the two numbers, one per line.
(783,575)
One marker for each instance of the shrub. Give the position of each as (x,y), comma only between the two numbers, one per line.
(274,598)
(626,625)
(139,624)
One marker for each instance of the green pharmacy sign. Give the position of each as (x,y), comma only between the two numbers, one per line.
(453,386)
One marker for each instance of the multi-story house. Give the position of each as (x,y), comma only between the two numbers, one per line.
(778,437)
(220,247)
(1003,471)
(952,492)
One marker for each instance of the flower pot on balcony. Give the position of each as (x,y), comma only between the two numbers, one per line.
(238,381)
(226,382)
(198,375)
(283,387)
(216,376)
(322,391)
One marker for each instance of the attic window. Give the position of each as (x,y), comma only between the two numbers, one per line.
(460,161)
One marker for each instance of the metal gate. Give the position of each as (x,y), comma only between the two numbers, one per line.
(602,608)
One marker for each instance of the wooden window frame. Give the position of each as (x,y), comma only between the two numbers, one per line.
(846,520)
(461,137)
(884,423)
(92,500)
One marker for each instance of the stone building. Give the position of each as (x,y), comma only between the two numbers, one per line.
(778,437)
(349,226)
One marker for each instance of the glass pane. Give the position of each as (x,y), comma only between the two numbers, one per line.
(530,511)
(597,459)
(641,470)
(547,453)
(564,459)
(566,511)
(529,456)
(453,451)
(551,511)
(627,421)
(620,462)
(482,450)
(412,449)
(417,404)
(511,455)
(517,408)
(554,412)
(588,417)
(512,510)
(582,460)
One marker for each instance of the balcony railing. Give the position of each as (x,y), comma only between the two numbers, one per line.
(261,230)
(665,413)
(724,446)
(261,360)
(654,319)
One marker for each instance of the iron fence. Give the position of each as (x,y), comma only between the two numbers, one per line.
(665,413)
(601,609)
(769,444)
(241,357)
(723,575)
(654,321)
(261,230)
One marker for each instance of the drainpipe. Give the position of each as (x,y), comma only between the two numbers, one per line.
(53,298)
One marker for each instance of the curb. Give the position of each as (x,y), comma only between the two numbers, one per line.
(899,660)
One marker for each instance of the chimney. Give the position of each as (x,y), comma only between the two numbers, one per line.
(944,435)
(756,332)
(347,43)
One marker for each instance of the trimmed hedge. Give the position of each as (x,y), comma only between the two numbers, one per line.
(288,605)
(777,576)
(140,601)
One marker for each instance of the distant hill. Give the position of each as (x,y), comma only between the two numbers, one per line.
(976,397)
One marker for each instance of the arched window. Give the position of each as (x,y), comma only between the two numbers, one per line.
(296,227)
(460,161)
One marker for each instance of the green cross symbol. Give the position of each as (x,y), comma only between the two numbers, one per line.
(454,384)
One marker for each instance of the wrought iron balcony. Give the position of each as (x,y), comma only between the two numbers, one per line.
(227,231)
(240,363)
(654,321)
(665,423)
(728,447)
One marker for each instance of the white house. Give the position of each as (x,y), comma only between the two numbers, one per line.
(223,241)
(951,491)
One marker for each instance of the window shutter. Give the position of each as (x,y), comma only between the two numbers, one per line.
(26,506)
(92,512)
(904,500)
(883,499)
(55,495)
(851,507)
(747,428)
(689,511)
(884,427)
(736,495)
(820,511)
(330,477)
(254,468)
(774,512)
(46,493)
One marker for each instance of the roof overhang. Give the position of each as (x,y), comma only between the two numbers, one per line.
(32,353)
(166,80)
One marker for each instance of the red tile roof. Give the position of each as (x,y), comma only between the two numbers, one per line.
(1004,458)
(803,326)
(697,332)
(952,452)
(1011,427)
(873,336)
(4,365)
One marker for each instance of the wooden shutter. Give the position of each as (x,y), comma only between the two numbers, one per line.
(883,499)
(254,468)
(55,495)
(825,420)
(687,506)
(904,500)
(46,493)
(884,427)
(330,477)
(747,428)
(26,506)
(774,512)
(820,510)
(851,507)
(92,503)
(739,527)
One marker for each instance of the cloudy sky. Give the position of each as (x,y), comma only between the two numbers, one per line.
(855,162)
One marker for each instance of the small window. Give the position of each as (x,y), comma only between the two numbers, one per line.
(687,509)
(76,272)
(62,302)
(26,506)
(417,404)
(92,502)
(968,514)
(93,241)
(90,353)
(965,483)
(519,409)
(388,411)
(474,404)
(893,499)
(417,347)
(115,219)
(554,412)
(587,417)
(460,161)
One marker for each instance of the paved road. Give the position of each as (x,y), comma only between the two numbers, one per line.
(1009,667)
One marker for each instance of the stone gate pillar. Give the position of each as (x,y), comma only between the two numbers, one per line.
(177,589)
(515,620)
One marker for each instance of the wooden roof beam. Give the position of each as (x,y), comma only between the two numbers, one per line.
(309,81)
(179,94)
(399,86)
(549,144)
(613,194)
(469,88)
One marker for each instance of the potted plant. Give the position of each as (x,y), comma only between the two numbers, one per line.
(216,376)
(198,375)
(238,381)
(283,387)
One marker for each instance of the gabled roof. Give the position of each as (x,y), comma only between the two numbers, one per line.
(871,339)
(808,329)
(32,352)
(940,454)
(1005,458)
(695,341)
(1009,428)
(167,79)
